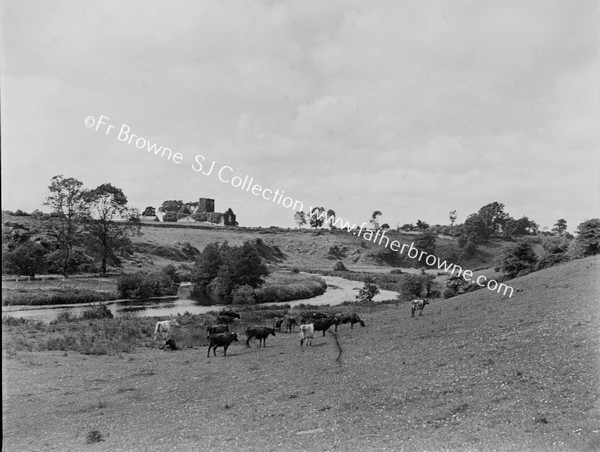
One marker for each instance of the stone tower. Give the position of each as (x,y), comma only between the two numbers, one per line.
(206,205)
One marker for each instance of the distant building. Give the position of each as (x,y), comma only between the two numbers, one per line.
(202,211)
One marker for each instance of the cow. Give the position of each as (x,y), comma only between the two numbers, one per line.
(307,334)
(164,327)
(214,329)
(170,344)
(259,332)
(277,323)
(324,324)
(230,313)
(225,319)
(290,323)
(308,317)
(348,318)
(418,304)
(221,340)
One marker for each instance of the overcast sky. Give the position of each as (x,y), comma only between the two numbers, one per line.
(413,108)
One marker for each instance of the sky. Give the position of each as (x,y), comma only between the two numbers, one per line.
(412,108)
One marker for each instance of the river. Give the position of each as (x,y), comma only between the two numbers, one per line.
(338,291)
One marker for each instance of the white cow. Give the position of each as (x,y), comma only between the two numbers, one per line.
(164,327)
(307,334)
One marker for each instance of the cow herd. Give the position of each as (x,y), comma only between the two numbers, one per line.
(308,324)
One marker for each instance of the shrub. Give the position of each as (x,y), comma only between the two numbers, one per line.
(414,286)
(244,295)
(551,260)
(518,260)
(26,259)
(587,242)
(142,285)
(367,292)
(99,311)
(339,267)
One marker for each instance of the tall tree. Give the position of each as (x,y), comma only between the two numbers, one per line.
(587,242)
(331,217)
(560,227)
(69,205)
(300,218)
(110,222)
(452,215)
(493,216)
(316,217)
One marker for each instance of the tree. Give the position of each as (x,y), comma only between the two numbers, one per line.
(68,201)
(522,226)
(207,265)
(368,291)
(316,217)
(149,212)
(476,229)
(110,223)
(493,216)
(422,225)
(560,227)
(587,242)
(518,260)
(452,215)
(375,219)
(26,259)
(300,218)
(171,206)
(331,217)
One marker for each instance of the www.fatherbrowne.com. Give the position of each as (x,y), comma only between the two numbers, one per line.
(379,237)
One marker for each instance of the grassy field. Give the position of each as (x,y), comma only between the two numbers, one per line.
(475,372)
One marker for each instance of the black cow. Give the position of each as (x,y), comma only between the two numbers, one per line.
(169,345)
(348,318)
(418,305)
(230,313)
(277,324)
(259,332)
(225,319)
(221,340)
(324,324)
(214,329)
(309,317)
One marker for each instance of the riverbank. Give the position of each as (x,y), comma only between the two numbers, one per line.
(339,290)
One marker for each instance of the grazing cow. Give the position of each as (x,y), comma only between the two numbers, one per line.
(230,313)
(225,319)
(309,317)
(290,323)
(324,324)
(277,324)
(259,332)
(170,344)
(221,340)
(214,329)
(164,327)
(307,334)
(419,305)
(348,318)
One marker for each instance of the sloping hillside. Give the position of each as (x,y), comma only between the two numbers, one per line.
(476,372)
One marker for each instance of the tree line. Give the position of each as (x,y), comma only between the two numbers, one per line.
(86,230)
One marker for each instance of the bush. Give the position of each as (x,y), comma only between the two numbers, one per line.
(51,297)
(587,242)
(367,292)
(416,286)
(339,267)
(551,260)
(518,260)
(289,291)
(244,295)
(26,259)
(142,285)
(99,311)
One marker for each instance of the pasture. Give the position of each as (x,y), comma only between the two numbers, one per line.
(475,372)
